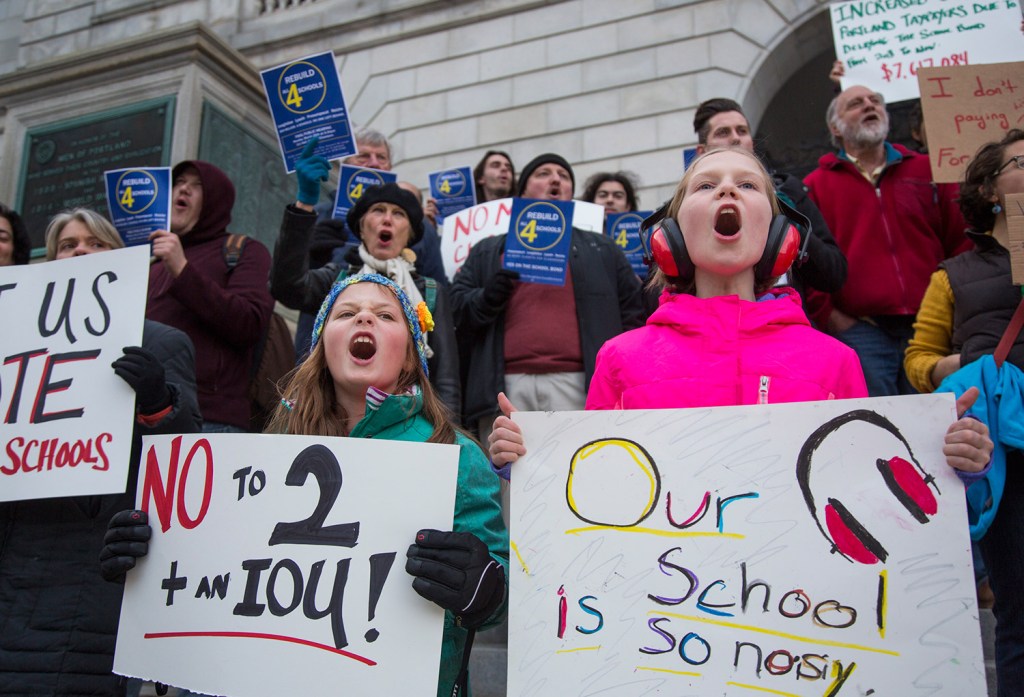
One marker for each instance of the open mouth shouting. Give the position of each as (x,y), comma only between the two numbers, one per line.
(727,221)
(363,347)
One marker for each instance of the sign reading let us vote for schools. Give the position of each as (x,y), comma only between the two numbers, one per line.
(139,201)
(306,102)
(67,418)
(277,565)
(794,549)
(537,244)
(353,182)
(884,43)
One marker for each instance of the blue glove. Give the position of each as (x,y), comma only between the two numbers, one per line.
(311,170)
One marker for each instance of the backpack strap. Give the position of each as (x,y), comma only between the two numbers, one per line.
(431,294)
(1010,334)
(232,251)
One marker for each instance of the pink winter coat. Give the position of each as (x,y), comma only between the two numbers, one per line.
(723,351)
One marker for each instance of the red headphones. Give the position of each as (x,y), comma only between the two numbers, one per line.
(907,481)
(664,245)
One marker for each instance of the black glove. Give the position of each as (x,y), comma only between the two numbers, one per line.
(499,287)
(140,369)
(127,536)
(455,570)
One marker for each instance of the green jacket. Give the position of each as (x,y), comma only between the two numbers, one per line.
(477,507)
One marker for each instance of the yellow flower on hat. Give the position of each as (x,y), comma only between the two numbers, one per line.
(426,319)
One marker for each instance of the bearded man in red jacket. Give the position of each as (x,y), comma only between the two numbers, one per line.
(893,224)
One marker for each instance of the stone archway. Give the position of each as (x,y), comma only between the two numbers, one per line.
(789,95)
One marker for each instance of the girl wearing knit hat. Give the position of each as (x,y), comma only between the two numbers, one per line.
(366,377)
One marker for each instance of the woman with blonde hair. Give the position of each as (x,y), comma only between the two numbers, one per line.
(61,618)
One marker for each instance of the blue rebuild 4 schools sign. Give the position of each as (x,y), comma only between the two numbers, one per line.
(306,101)
(139,201)
(353,183)
(453,190)
(537,244)
(624,229)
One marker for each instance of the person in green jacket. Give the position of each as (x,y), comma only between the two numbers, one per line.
(366,377)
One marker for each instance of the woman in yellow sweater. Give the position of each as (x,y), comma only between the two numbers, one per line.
(971,298)
(965,312)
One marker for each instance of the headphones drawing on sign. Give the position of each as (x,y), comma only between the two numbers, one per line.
(908,482)
(664,245)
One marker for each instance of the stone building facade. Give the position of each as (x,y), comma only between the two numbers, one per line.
(609,84)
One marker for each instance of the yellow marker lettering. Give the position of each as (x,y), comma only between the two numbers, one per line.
(293,96)
(529,233)
(126,198)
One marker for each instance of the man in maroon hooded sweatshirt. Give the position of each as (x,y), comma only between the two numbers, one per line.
(224,311)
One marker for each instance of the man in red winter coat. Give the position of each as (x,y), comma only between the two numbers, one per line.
(224,311)
(893,224)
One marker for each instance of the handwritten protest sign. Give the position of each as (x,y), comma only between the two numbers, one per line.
(795,549)
(306,102)
(453,190)
(67,418)
(139,201)
(351,185)
(884,43)
(277,565)
(966,107)
(470,225)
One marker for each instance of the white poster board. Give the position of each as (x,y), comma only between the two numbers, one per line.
(884,44)
(67,418)
(277,565)
(689,552)
(470,225)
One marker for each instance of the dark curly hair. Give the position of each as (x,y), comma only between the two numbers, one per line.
(22,243)
(627,179)
(978,186)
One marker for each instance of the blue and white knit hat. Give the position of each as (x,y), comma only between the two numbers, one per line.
(418,319)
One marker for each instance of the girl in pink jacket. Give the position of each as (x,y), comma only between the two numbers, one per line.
(722,334)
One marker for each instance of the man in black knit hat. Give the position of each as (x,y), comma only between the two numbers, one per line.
(537,342)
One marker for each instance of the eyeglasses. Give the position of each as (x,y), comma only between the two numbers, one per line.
(1016,159)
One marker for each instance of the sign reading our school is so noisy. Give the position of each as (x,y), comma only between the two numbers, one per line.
(306,101)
